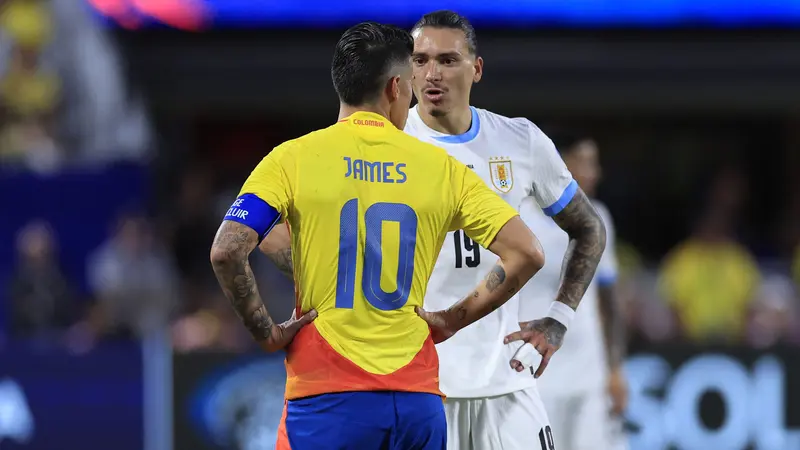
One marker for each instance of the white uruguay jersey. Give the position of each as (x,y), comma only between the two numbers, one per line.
(519,161)
(579,365)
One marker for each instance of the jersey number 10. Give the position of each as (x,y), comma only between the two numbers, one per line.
(374,217)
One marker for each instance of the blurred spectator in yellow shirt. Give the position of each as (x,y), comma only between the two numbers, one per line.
(709,280)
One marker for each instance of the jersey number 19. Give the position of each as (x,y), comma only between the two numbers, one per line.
(374,217)
(469,246)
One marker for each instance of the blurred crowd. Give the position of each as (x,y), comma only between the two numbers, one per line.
(65,103)
(153,272)
(63,96)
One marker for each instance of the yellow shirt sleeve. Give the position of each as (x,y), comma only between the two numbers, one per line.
(270,180)
(481,213)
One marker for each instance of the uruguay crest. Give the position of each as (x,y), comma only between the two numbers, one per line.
(500,171)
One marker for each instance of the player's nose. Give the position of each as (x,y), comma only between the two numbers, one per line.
(433,73)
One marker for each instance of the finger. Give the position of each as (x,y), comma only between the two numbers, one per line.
(517,336)
(432,319)
(307,317)
(543,365)
(294,325)
(525,356)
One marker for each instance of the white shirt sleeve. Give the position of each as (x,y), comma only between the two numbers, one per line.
(607,268)
(553,185)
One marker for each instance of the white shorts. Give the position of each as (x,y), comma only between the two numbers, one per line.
(515,421)
(584,422)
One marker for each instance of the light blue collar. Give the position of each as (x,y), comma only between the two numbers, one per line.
(471,134)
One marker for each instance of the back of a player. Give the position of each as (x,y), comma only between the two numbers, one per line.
(369,208)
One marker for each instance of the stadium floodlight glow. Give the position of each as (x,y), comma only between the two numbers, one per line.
(199,14)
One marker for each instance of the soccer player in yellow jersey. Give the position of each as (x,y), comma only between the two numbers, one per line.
(369,208)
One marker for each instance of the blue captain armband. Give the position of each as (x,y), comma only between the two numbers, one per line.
(251,211)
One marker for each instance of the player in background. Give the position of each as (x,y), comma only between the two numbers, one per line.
(489,404)
(369,208)
(589,367)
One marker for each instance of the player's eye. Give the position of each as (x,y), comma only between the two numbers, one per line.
(448,61)
(419,61)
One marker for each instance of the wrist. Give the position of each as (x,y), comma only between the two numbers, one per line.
(561,313)
(456,317)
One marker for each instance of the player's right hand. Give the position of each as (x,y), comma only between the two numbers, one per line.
(281,335)
(438,321)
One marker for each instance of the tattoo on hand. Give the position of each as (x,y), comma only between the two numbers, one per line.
(552,330)
(587,240)
(495,277)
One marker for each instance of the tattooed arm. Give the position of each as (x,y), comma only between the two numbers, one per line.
(229,257)
(521,256)
(587,240)
(277,246)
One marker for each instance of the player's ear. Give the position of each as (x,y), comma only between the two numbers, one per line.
(393,89)
(478,70)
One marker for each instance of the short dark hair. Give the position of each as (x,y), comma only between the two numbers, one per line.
(453,20)
(567,141)
(364,59)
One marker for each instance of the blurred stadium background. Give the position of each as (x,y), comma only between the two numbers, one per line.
(127,126)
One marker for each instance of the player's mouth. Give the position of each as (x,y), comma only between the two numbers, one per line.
(433,95)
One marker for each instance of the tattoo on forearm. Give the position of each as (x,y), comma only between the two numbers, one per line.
(613,326)
(495,277)
(587,240)
(283,261)
(231,248)
(260,324)
(461,313)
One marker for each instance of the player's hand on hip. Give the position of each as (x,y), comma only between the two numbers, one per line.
(282,334)
(441,327)
(544,335)
(618,390)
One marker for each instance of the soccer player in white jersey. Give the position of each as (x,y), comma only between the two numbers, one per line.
(587,371)
(492,403)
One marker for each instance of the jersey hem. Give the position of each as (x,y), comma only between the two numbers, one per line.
(485,393)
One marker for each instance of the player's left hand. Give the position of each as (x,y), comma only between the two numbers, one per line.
(441,326)
(618,390)
(545,335)
(281,335)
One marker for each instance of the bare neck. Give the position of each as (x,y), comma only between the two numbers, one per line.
(457,121)
(348,110)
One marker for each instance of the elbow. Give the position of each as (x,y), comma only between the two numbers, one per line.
(533,255)
(591,235)
(599,234)
(219,258)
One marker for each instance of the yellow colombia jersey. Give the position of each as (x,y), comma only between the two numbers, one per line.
(368,207)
